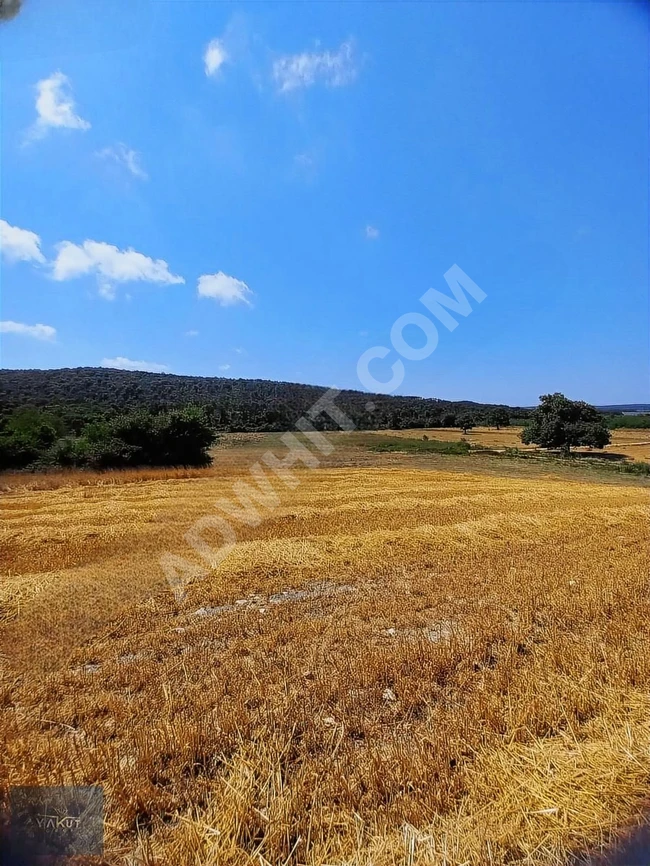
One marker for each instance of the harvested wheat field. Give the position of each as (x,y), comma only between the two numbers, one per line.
(395,666)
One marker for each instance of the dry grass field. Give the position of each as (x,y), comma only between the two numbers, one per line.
(633,444)
(398,665)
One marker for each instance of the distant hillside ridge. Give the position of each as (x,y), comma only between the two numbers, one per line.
(636,408)
(236,405)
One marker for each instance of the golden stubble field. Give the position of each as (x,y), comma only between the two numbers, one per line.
(396,666)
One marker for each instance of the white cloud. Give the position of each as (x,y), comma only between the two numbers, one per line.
(120,363)
(333,69)
(305,165)
(126,157)
(38,332)
(224,289)
(224,367)
(110,265)
(239,351)
(20,245)
(372,233)
(55,106)
(215,56)
(191,333)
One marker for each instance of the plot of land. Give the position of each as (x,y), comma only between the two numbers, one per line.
(395,666)
(633,444)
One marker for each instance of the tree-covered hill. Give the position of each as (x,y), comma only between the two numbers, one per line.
(231,404)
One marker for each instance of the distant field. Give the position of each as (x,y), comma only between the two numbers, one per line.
(634,444)
(397,666)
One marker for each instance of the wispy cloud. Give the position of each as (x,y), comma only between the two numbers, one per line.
(303,160)
(214,57)
(120,363)
(20,245)
(191,333)
(372,233)
(331,68)
(306,165)
(224,289)
(224,367)
(126,157)
(110,265)
(55,106)
(37,332)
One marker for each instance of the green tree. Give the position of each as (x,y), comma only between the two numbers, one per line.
(561,423)
(499,418)
(35,426)
(25,435)
(9,9)
(184,437)
(16,452)
(465,422)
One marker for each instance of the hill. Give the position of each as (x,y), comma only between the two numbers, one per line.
(235,405)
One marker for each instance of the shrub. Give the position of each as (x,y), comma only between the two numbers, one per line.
(16,452)
(69,451)
(142,437)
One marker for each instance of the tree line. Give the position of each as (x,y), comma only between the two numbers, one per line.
(86,437)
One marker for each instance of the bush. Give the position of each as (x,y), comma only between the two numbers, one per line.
(142,437)
(25,436)
(111,454)
(16,452)
(183,438)
(68,451)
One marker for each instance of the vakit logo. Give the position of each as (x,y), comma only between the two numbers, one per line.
(56,822)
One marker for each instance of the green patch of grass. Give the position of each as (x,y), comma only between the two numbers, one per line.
(637,467)
(417,446)
(628,422)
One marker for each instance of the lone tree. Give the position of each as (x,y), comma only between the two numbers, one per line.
(499,418)
(465,422)
(560,423)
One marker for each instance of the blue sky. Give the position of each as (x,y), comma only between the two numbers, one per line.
(261,190)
